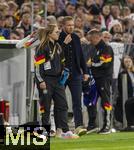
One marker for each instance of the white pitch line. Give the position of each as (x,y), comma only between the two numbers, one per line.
(104,148)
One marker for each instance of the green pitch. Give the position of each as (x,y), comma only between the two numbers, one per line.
(114,141)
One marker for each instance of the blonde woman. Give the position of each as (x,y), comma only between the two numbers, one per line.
(48,68)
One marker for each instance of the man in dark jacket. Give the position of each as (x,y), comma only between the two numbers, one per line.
(75,62)
(101,63)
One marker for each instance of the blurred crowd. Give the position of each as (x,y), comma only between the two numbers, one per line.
(113,18)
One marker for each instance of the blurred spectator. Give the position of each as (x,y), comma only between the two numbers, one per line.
(60,22)
(117,37)
(95,23)
(94,9)
(79,22)
(69,10)
(126,12)
(4,8)
(3,31)
(127,38)
(80,10)
(12,7)
(25,22)
(128,69)
(126,25)
(20,31)
(37,20)
(99,2)
(26,7)
(9,22)
(115,11)
(51,8)
(60,5)
(106,36)
(106,16)
(129,46)
(87,5)
(115,27)
(14,35)
(36,8)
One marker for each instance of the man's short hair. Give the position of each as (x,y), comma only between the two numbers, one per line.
(94,32)
(67,18)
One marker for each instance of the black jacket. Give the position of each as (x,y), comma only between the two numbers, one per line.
(102,61)
(47,66)
(119,100)
(129,84)
(78,53)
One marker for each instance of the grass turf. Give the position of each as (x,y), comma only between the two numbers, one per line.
(114,141)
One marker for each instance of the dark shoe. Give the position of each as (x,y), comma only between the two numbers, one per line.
(129,129)
(92,130)
(104,131)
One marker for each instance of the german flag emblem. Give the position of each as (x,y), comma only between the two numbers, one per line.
(39,60)
(106,58)
(107,106)
(42,109)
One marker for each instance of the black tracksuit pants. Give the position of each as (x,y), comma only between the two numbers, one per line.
(103,88)
(56,92)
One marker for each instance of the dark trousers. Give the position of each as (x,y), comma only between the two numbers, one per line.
(75,86)
(129,108)
(103,88)
(56,92)
(92,113)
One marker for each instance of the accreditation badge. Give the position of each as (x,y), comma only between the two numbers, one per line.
(47,65)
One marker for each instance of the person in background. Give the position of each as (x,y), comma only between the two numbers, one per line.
(60,22)
(106,36)
(25,22)
(9,22)
(12,7)
(68,11)
(48,68)
(106,16)
(5,33)
(51,8)
(75,62)
(126,12)
(80,10)
(79,23)
(114,27)
(60,5)
(127,65)
(14,35)
(101,64)
(20,31)
(115,11)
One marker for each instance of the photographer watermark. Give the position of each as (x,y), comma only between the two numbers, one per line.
(23,136)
